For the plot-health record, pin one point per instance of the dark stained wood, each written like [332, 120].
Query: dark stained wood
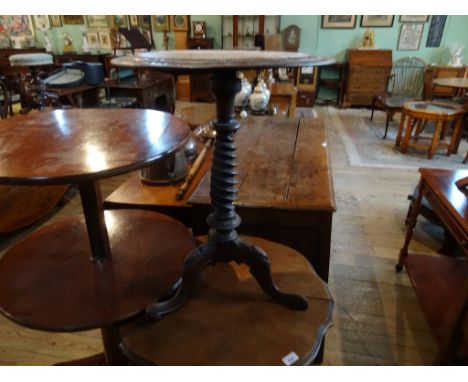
[91, 201]
[209, 60]
[147, 90]
[84, 144]
[223, 241]
[297, 214]
[441, 283]
[48, 281]
[230, 321]
[21, 206]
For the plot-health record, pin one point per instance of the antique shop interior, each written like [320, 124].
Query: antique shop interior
[234, 190]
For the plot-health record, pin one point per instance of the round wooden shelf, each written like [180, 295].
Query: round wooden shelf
[231, 321]
[49, 282]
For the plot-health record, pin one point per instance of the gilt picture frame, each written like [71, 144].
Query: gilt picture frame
[119, 21]
[180, 23]
[338, 22]
[73, 19]
[42, 22]
[16, 26]
[55, 21]
[160, 23]
[97, 21]
[104, 40]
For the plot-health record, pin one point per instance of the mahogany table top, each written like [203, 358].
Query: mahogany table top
[442, 183]
[196, 60]
[66, 146]
[231, 321]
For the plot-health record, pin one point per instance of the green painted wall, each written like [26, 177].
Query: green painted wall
[329, 42]
[334, 42]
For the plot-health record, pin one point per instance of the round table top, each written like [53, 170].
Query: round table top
[434, 108]
[197, 60]
[229, 320]
[31, 59]
[453, 82]
[66, 146]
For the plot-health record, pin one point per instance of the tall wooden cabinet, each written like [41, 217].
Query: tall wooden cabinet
[368, 73]
[200, 83]
[240, 32]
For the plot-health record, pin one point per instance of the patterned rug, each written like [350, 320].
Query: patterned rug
[362, 140]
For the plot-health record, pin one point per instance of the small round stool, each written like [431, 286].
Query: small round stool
[230, 321]
[417, 113]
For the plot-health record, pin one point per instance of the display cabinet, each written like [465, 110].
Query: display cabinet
[200, 83]
[246, 31]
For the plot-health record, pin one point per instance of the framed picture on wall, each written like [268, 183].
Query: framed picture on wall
[93, 39]
[105, 40]
[73, 19]
[16, 26]
[98, 21]
[145, 21]
[55, 21]
[133, 21]
[413, 19]
[160, 23]
[119, 21]
[338, 22]
[42, 22]
[179, 23]
[410, 36]
[378, 21]
[436, 31]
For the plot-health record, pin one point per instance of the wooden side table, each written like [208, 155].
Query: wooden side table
[96, 270]
[223, 243]
[229, 321]
[417, 113]
[441, 282]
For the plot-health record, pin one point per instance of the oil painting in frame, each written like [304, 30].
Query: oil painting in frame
[97, 21]
[179, 23]
[73, 19]
[16, 26]
[377, 21]
[160, 23]
[120, 21]
[133, 21]
[42, 22]
[338, 22]
[93, 39]
[55, 21]
[105, 40]
[145, 21]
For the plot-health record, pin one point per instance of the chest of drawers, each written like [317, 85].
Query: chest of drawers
[368, 74]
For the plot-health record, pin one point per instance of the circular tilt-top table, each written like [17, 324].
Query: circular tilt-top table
[223, 244]
[100, 269]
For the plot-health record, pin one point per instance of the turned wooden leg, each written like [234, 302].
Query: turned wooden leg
[456, 137]
[435, 139]
[400, 128]
[410, 228]
[407, 137]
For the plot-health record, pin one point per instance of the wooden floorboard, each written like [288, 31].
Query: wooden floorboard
[377, 318]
